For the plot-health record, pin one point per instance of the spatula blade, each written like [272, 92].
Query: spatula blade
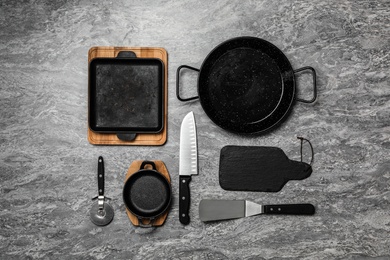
[213, 210]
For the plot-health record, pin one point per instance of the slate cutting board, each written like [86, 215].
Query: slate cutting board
[258, 168]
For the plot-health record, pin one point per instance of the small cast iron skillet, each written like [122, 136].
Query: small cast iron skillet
[147, 194]
[246, 85]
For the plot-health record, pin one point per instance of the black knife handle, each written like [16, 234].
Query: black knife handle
[101, 176]
[184, 199]
[293, 209]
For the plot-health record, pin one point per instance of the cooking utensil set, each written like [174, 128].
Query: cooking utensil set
[245, 85]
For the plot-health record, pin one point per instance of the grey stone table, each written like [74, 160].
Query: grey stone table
[48, 168]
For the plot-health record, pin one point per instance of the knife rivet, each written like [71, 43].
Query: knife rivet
[100, 176]
[183, 215]
[279, 209]
[100, 190]
[184, 181]
[183, 198]
[272, 209]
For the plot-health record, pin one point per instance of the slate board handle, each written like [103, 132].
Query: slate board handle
[290, 209]
[299, 170]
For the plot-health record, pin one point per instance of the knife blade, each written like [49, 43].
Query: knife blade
[188, 164]
[213, 210]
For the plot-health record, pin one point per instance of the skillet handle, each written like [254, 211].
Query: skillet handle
[141, 224]
[178, 83]
[146, 163]
[313, 72]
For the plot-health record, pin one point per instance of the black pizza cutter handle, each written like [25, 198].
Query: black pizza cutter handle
[184, 199]
[100, 176]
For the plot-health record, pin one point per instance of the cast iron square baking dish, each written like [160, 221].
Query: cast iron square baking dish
[126, 95]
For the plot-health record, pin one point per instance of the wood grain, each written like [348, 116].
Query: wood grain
[143, 138]
[134, 167]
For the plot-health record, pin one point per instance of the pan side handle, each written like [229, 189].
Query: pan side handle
[147, 225]
[178, 83]
[313, 72]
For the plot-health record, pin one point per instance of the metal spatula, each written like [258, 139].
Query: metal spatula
[213, 210]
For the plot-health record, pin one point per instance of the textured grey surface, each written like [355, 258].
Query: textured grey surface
[48, 168]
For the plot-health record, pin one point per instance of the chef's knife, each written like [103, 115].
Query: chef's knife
[212, 210]
[188, 164]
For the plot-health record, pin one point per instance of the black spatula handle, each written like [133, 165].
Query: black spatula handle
[290, 209]
[184, 199]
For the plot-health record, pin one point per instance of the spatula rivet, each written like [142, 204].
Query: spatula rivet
[183, 198]
[184, 181]
[279, 209]
[183, 215]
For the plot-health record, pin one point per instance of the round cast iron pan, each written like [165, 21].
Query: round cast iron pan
[246, 85]
[147, 193]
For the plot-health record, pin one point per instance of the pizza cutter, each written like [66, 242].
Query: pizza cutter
[101, 213]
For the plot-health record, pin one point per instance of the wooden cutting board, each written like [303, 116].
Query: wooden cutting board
[160, 167]
[143, 138]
